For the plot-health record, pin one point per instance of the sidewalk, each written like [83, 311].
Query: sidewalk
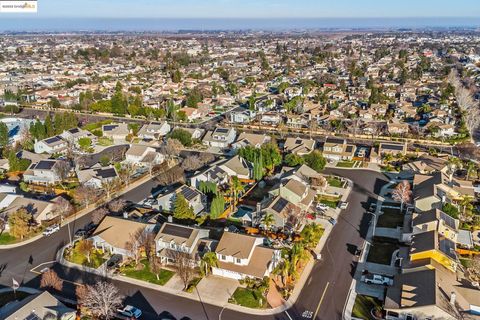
[80, 213]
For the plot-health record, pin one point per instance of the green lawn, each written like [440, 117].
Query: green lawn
[381, 252]
[345, 164]
[145, 275]
[332, 202]
[96, 258]
[105, 142]
[391, 218]
[363, 305]
[335, 182]
[7, 297]
[249, 298]
[6, 238]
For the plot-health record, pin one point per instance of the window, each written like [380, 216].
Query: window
[239, 261]
[424, 227]
[222, 257]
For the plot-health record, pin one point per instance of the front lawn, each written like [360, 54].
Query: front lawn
[381, 252]
[75, 256]
[249, 298]
[104, 141]
[332, 202]
[6, 238]
[363, 305]
[391, 218]
[6, 297]
[335, 182]
[345, 164]
[142, 272]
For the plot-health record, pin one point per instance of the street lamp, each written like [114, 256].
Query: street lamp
[374, 222]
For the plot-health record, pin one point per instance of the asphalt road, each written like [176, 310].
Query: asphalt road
[323, 296]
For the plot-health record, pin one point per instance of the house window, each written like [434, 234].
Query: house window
[424, 227]
[239, 261]
[222, 257]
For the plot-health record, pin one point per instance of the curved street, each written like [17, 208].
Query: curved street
[323, 296]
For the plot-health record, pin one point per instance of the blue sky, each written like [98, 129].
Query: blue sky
[258, 8]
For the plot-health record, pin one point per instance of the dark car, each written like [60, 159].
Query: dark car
[114, 261]
[80, 233]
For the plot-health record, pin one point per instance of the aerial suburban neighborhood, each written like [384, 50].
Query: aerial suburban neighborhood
[329, 174]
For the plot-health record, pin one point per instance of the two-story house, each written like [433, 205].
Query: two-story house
[166, 201]
[172, 238]
[250, 139]
[338, 149]
[96, 176]
[44, 172]
[220, 137]
[154, 131]
[118, 132]
[141, 155]
[298, 146]
[240, 256]
[50, 145]
[73, 135]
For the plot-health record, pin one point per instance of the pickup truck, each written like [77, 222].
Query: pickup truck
[130, 312]
[377, 279]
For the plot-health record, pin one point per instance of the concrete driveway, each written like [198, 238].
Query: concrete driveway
[217, 288]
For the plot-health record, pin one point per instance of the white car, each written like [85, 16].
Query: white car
[130, 311]
[343, 205]
[51, 230]
[377, 279]
[322, 206]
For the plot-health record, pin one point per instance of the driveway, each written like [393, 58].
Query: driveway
[217, 288]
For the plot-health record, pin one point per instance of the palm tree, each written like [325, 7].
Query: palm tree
[236, 187]
[471, 167]
[284, 270]
[208, 261]
[466, 204]
[453, 164]
[268, 220]
[298, 254]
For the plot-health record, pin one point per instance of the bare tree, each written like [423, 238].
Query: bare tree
[171, 176]
[156, 266]
[117, 205]
[50, 279]
[473, 269]
[85, 247]
[63, 207]
[126, 172]
[183, 265]
[81, 292]
[172, 148]
[192, 163]
[99, 214]
[85, 195]
[110, 186]
[206, 157]
[134, 245]
[102, 299]
[62, 170]
[402, 193]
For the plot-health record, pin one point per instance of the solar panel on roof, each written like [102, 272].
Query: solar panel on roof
[449, 221]
[74, 130]
[107, 173]
[221, 130]
[298, 141]
[109, 127]
[447, 246]
[349, 149]
[177, 231]
[52, 139]
[45, 165]
[279, 205]
[188, 193]
[392, 146]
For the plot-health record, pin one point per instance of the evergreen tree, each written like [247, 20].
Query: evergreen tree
[258, 168]
[3, 135]
[182, 210]
[217, 207]
[49, 129]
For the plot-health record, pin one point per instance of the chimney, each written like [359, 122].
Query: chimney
[170, 219]
[453, 297]
[125, 214]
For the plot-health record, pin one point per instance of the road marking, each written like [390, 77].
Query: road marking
[321, 300]
[288, 315]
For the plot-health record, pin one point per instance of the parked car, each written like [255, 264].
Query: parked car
[114, 260]
[80, 233]
[322, 206]
[377, 279]
[51, 230]
[332, 221]
[343, 205]
[130, 311]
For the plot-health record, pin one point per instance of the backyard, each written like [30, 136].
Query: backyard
[97, 257]
[249, 298]
[391, 218]
[335, 182]
[381, 250]
[142, 272]
[363, 305]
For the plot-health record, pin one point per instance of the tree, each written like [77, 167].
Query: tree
[315, 160]
[49, 130]
[99, 214]
[117, 205]
[208, 261]
[268, 220]
[182, 135]
[102, 299]
[182, 210]
[134, 245]
[172, 148]
[217, 206]
[473, 269]
[293, 160]
[85, 194]
[467, 206]
[50, 279]
[402, 193]
[62, 207]
[110, 186]
[183, 265]
[310, 235]
[156, 266]
[258, 167]
[85, 247]
[236, 187]
[192, 163]
[271, 155]
[171, 176]
[62, 170]
[85, 144]
[19, 223]
[3, 135]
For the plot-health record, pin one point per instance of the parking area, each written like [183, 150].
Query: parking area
[217, 288]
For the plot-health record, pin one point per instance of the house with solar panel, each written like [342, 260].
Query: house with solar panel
[118, 132]
[213, 174]
[154, 131]
[173, 238]
[97, 175]
[43, 172]
[287, 215]
[220, 137]
[337, 149]
[50, 145]
[73, 135]
[141, 155]
[251, 139]
[298, 146]
[166, 200]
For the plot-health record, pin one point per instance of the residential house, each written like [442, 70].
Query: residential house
[166, 200]
[116, 131]
[245, 116]
[141, 155]
[39, 209]
[397, 128]
[97, 176]
[73, 135]
[113, 234]
[432, 245]
[299, 146]
[251, 139]
[392, 148]
[237, 166]
[173, 238]
[45, 172]
[434, 219]
[154, 131]
[240, 256]
[50, 145]
[37, 306]
[197, 133]
[286, 215]
[338, 149]
[213, 174]
[220, 137]
[426, 164]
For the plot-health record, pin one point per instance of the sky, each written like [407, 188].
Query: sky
[256, 8]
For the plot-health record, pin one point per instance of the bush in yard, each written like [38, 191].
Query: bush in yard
[183, 136]
[315, 160]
